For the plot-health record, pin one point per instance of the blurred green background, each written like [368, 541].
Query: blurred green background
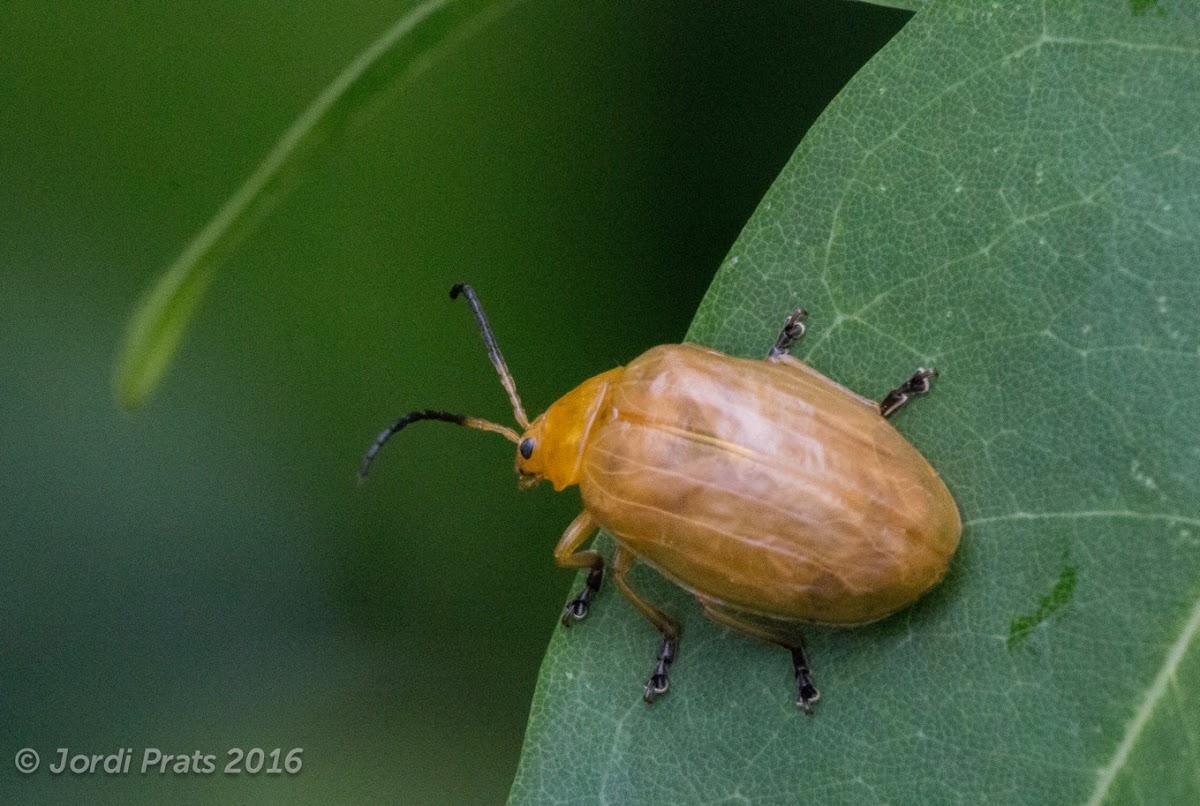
[204, 574]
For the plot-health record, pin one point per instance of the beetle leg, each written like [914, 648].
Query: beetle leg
[659, 682]
[918, 384]
[793, 329]
[789, 639]
[807, 693]
[566, 555]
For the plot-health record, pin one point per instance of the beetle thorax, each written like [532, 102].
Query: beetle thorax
[560, 435]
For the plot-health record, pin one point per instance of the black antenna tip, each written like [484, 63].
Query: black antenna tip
[365, 467]
[391, 430]
[457, 289]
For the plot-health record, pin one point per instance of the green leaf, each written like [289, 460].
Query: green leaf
[907, 5]
[1010, 193]
[400, 54]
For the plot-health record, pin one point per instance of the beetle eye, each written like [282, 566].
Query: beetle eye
[526, 447]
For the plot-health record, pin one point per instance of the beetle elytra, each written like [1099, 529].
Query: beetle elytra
[771, 493]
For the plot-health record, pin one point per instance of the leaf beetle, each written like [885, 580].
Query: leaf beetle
[773, 494]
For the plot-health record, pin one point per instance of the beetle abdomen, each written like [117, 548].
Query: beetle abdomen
[768, 487]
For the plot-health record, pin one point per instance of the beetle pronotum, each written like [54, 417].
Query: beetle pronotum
[773, 494]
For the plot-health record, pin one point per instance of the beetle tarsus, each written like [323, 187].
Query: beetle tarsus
[915, 386]
[659, 683]
[793, 329]
[807, 693]
[577, 608]
[808, 696]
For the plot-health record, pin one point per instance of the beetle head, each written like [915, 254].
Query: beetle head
[552, 447]
[531, 464]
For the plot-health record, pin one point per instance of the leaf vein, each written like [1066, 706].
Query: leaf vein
[1158, 689]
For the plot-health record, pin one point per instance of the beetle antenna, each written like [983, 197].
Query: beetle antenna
[430, 414]
[493, 349]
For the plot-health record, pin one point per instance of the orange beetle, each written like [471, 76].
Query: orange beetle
[771, 493]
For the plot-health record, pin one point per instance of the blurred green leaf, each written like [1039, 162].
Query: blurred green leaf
[1009, 193]
[401, 53]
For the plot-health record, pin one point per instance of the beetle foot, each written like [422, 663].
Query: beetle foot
[808, 693]
[659, 682]
[793, 329]
[918, 384]
[577, 609]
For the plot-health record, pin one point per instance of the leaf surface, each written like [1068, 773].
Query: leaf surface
[907, 5]
[1010, 193]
